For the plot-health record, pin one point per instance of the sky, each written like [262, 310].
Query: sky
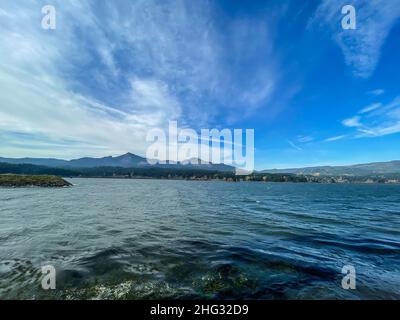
[315, 93]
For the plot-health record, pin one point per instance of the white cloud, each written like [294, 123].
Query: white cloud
[379, 131]
[304, 139]
[376, 120]
[352, 122]
[361, 47]
[294, 146]
[58, 115]
[38, 89]
[370, 108]
[110, 72]
[335, 138]
[376, 92]
[153, 97]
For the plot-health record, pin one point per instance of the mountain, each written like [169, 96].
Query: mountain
[128, 160]
[171, 172]
[198, 164]
[352, 170]
[32, 169]
[49, 162]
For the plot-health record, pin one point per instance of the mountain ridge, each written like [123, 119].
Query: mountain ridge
[127, 160]
[130, 160]
[361, 169]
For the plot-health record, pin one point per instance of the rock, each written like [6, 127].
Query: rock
[13, 180]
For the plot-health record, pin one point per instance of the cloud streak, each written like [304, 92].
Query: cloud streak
[361, 47]
[376, 120]
[335, 138]
[112, 71]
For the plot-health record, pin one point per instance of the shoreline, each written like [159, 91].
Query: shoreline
[52, 181]
[23, 181]
[236, 181]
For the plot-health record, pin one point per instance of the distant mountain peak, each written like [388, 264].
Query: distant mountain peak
[128, 155]
[195, 161]
[390, 167]
[127, 160]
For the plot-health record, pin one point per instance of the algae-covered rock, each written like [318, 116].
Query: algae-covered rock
[13, 180]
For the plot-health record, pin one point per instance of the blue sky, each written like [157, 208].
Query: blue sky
[112, 70]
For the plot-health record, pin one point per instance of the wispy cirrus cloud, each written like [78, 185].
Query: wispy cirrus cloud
[376, 120]
[46, 100]
[304, 139]
[113, 70]
[361, 47]
[335, 138]
[294, 145]
[376, 92]
[370, 108]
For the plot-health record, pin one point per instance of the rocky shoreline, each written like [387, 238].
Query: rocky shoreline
[14, 181]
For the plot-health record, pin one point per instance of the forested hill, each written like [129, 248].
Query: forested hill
[179, 173]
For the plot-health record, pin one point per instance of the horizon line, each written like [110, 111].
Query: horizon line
[204, 162]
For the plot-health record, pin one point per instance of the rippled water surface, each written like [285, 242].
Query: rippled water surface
[146, 239]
